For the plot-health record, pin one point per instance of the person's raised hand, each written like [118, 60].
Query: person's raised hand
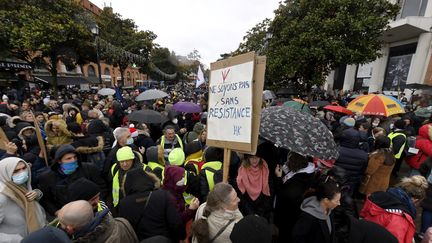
[194, 204]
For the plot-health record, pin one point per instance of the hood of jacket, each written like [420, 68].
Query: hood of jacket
[47, 234]
[60, 152]
[138, 181]
[425, 131]
[7, 167]
[62, 127]
[98, 227]
[21, 127]
[312, 206]
[350, 138]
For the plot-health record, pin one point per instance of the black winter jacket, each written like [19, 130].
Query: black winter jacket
[54, 185]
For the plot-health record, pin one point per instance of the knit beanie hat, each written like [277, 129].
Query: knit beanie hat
[176, 157]
[125, 153]
[82, 189]
[133, 131]
[350, 122]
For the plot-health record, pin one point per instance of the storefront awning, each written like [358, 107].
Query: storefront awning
[15, 65]
[62, 80]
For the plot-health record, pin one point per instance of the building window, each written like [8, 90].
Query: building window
[412, 8]
[91, 71]
[128, 75]
[107, 71]
[398, 66]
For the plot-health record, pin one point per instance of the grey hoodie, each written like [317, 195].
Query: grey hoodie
[312, 206]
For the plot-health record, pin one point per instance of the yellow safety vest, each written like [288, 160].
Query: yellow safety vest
[187, 197]
[154, 165]
[393, 135]
[178, 140]
[116, 184]
[214, 165]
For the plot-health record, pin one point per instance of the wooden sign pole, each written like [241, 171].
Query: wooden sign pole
[40, 139]
[3, 139]
[226, 164]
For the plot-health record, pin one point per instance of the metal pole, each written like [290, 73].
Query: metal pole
[98, 61]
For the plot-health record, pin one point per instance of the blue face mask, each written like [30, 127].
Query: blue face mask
[130, 141]
[69, 168]
[20, 178]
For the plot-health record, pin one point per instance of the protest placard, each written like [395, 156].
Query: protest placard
[235, 98]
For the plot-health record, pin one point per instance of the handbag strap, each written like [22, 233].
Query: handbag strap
[221, 230]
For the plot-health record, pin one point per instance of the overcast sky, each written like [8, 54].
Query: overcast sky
[212, 27]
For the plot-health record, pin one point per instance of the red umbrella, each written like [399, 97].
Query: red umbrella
[339, 109]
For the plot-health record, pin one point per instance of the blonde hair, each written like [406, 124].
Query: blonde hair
[414, 186]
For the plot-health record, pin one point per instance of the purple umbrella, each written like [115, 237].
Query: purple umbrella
[187, 107]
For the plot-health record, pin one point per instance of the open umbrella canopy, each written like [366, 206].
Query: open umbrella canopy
[106, 91]
[147, 116]
[298, 132]
[151, 94]
[295, 104]
[376, 105]
[337, 108]
[319, 103]
[424, 112]
[187, 107]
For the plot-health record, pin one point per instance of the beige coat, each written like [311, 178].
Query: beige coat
[217, 220]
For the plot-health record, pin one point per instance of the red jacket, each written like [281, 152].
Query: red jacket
[401, 225]
[424, 145]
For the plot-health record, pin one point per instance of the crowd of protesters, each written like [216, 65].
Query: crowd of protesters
[75, 169]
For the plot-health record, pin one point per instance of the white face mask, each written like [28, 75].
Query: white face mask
[375, 124]
[175, 120]
[181, 182]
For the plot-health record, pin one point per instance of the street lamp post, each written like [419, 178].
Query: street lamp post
[95, 32]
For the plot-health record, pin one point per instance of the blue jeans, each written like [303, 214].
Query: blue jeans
[426, 220]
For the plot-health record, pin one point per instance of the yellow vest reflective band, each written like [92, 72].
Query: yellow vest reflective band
[186, 196]
[178, 140]
[154, 165]
[99, 208]
[393, 135]
[214, 166]
[115, 186]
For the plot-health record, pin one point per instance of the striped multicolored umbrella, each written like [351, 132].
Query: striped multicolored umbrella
[376, 105]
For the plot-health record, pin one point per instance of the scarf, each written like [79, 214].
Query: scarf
[254, 181]
[17, 194]
[309, 169]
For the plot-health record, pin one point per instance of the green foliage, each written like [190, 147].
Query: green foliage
[312, 37]
[164, 60]
[44, 30]
[255, 39]
[123, 34]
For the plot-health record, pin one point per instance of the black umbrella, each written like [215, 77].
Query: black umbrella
[319, 103]
[147, 116]
[298, 132]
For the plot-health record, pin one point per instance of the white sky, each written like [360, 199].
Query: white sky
[213, 27]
